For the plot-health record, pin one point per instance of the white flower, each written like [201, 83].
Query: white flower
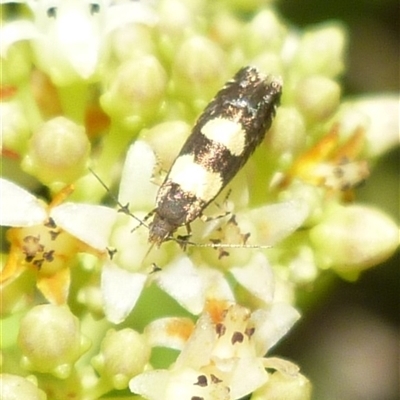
[223, 357]
[47, 237]
[68, 35]
[190, 279]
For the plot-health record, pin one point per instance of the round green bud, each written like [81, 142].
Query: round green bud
[354, 238]
[14, 387]
[136, 92]
[50, 340]
[131, 41]
[58, 152]
[124, 354]
[269, 62]
[287, 137]
[263, 33]
[164, 139]
[194, 79]
[321, 51]
[175, 17]
[317, 98]
[227, 29]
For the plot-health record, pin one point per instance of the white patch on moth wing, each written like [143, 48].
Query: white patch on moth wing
[228, 133]
[195, 179]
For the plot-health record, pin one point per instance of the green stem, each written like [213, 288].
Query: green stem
[73, 100]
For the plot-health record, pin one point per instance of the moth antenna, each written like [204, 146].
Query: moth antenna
[122, 208]
[181, 242]
[147, 253]
[221, 245]
[235, 246]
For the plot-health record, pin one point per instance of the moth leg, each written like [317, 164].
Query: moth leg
[206, 218]
[219, 206]
[184, 239]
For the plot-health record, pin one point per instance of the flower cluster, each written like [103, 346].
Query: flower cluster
[97, 98]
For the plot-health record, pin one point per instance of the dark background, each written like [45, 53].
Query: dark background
[347, 342]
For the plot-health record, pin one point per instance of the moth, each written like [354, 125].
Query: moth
[225, 135]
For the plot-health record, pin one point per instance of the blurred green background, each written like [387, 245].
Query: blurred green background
[347, 342]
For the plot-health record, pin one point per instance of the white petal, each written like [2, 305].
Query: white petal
[245, 375]
[181, 280]
[257, 277]
[88, 222]
[80, 45]
[379, 115]
[169, 332]
[272, 325]
[120, 289]
[18, 207]
[217, 287]
[69, 46]
[136, 187]
[277, 221]
[12, 32]
[197, 351]
[151, 385]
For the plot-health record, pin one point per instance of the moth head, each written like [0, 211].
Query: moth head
[160, 230]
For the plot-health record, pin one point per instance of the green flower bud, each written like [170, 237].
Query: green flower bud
[58, 152]
[317, 98]
[284, 386]
[321, 52]
[287, 137]
[175, 17]
[14, 127]
[124, 354]
[131, 41]
[269, 62]
[14, 387]
[165, 138]
[50, 340]
[136, 92]
[227, 29]
[354, 238]
[264, 33]
[195, 80]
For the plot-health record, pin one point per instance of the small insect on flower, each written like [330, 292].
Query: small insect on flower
[221, 142]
